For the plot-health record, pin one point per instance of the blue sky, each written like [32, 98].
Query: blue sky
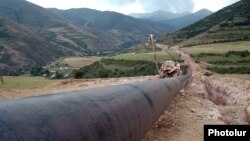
[137, 6]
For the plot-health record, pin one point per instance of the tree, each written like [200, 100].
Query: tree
[1, 77]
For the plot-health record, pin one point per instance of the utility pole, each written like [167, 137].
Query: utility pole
[151, 42]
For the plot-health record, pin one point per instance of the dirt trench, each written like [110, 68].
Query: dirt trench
[205, 100]
[230, 95]
[233, 93]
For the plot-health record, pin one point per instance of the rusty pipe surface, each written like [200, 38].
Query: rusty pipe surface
[115, 113]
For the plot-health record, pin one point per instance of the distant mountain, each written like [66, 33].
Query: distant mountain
[186, 20]
[106, 20]
[126, 30]
[21, 47]
[158, 16]
[203, 13]
[44, 35]
[175, 20]
[54, 27]
[51, 36]
[229, 24]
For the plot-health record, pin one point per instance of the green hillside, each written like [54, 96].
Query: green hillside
[229, 24]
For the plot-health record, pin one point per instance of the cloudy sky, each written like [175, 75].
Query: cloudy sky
[137, 6]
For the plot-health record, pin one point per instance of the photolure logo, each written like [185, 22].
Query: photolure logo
[223, 132]
[215, 132]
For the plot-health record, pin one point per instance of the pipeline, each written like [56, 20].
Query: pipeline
[115, 113]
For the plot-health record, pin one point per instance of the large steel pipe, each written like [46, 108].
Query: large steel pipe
[116, 113]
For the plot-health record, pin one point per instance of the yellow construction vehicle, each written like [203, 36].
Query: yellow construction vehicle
[169, 69]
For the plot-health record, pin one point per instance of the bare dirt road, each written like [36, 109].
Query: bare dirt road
[207, 100]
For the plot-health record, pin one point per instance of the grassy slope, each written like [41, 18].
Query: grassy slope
[161, 56]
[218, 61]
[21, 82]
[218, 48]
[75, 62]
[80, 61]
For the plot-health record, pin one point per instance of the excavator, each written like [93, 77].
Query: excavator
[170, 68]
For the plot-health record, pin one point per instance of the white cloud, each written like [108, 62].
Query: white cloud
[177, 6]
[136, 6]
[212, 5]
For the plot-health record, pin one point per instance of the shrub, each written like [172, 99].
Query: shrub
[239, 53]
[124, 68]
[231, 70]
[38, 71]
[77, 74]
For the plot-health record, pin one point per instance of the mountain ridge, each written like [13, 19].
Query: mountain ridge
[59, 36]
[158, 15]
[231, 23]
[123, 27]
[175, 20]
[189, 19]
[17, 41]
[105, 20]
